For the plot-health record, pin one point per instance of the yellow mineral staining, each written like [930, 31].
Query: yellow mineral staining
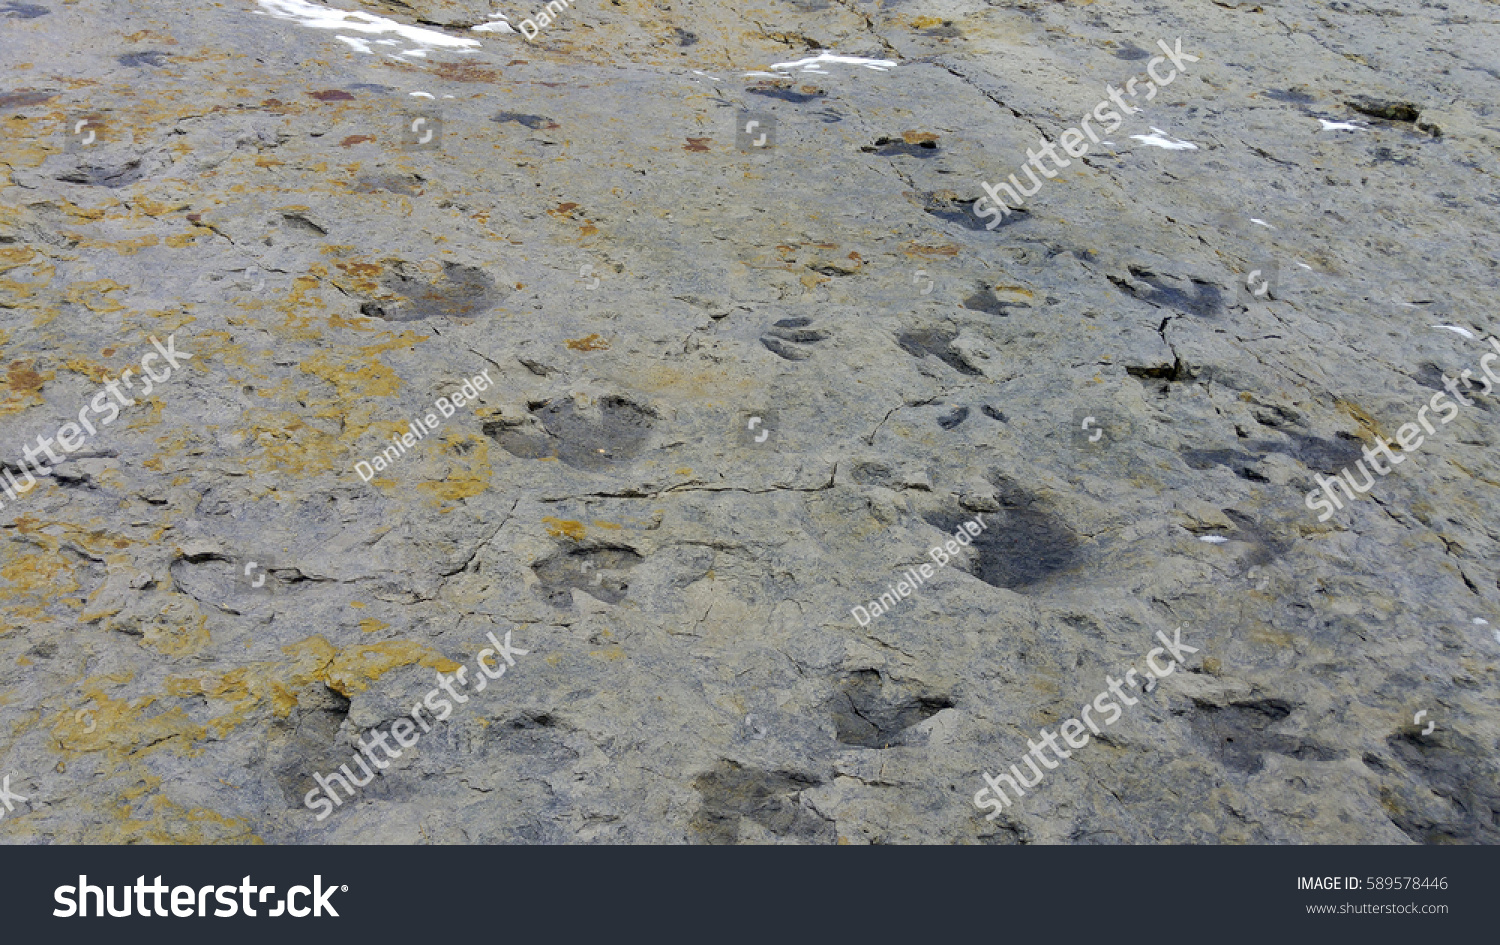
[371, 625]
[468, 472]
[357, 666]
[557, 528]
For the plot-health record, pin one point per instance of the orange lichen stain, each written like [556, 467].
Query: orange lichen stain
[14, 256]
[917, 137]
[468, 471]
[915, 249]
[89, 369]
[155, 37]
[684, 471]
[697, 144]
[359, 278]
[287, 441]
[560, 527]
[273, 683]
[370, 625]
[609, 525]
[357, 604]
[86, 213]
[175, 632]
[611, 654]
[91, 295]
[157, 208]
[22, 661]
[123, 247]
[160, 820]
[923, 22]
[123, 730]
[39, 575]
[363, 375]
[554, 659]
[357, 666]
[23, 383]
[1370, 427]
[588, 343]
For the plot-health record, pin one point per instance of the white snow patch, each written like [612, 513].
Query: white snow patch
[495, 26]
[1337, 125]
[1261, 222]
[320, 17]
[358, 45]
[1214, 539]
[421, 95]
[1161, 140]
[1457, 330]
[1481, 622]
[812, 63]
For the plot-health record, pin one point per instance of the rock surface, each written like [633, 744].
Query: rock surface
[737, 392]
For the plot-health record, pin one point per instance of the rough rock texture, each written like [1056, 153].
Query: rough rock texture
[585, 226]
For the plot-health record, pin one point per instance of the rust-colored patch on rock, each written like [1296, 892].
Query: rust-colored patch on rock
[587, 343]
